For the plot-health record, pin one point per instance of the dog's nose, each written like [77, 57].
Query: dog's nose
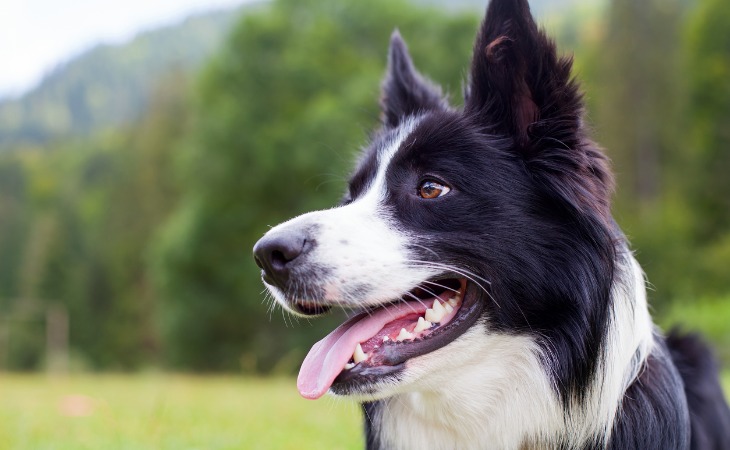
[274, 254]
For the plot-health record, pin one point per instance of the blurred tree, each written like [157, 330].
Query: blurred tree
[636, 68]
[282, 109]
[707, 56]
[705, 163]
[635, 95]
[77, 220]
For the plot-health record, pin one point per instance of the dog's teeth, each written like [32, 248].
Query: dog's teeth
[453, 301]
[349, 366]
[438, 308]
[437, 313]
[449, 309]
[359, 355]
[431, 316]
[403, 335]
[386, 338]
[422, 325]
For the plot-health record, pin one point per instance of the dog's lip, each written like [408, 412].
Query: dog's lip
[310, 309]
[393, 355]
[326, 366]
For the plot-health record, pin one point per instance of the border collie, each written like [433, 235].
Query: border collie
[498, 303]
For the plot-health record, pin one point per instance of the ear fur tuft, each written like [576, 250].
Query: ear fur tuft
[405, 91]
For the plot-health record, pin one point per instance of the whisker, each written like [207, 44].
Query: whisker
[427, 249]
[463, 272]
[418, 300]
[441, 286]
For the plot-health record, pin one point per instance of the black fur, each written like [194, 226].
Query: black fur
[653, 414]
[709, 413]
[540, 202]
[529, 185]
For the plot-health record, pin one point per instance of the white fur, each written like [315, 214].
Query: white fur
[359, 246]
[482, 388]
[628, 343]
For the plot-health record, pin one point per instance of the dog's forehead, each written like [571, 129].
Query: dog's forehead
[443, 141]
[377, 156]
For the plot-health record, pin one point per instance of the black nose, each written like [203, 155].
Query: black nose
[276, 253]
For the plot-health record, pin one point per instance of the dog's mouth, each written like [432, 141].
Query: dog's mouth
[376, 343]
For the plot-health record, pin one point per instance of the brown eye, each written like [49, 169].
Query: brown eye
[432, 189]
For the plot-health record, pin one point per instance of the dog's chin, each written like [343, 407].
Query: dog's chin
[366, 357]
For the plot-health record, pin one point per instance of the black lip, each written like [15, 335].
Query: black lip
[310, 310]
[390, 360]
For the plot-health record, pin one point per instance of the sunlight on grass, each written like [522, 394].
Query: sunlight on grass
[169, 412]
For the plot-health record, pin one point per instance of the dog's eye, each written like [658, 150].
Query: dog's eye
[432, 189]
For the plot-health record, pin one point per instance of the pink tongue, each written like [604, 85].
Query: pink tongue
[327, 357]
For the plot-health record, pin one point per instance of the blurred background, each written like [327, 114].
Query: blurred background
[145, 148]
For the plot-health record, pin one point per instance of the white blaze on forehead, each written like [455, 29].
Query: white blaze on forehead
[378, 185]
[361, 250]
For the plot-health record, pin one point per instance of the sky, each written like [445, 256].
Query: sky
[37, 35]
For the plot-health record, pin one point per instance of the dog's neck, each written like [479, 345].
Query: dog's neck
[492, 389]
[499, 397]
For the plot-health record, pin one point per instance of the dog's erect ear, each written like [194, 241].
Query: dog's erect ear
[520, 88]
[517, 79]
[404, 90]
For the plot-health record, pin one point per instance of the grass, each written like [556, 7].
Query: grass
[172, 412]
[169, 412]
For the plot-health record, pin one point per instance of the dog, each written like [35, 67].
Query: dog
[498, 303]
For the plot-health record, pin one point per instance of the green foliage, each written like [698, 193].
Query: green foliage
[667, 149]
[707, 314]
[282, 109]
[77, 222]
[707, 59]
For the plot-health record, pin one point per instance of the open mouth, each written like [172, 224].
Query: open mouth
[376, 343]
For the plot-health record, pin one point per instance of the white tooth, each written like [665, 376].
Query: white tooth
[432, 316]
[386, 338]
[437, 313]
[359, 355]
[422, 325]
[349, 366]
[449, 309]
[453, 301]
[403, 335]
[438, 308]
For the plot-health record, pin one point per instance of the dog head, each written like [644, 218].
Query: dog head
[484, 216]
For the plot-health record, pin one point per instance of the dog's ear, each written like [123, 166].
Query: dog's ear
[517, 79]
[520, 88]
[404, 90]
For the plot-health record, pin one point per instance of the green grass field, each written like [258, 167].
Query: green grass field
[171, 412]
